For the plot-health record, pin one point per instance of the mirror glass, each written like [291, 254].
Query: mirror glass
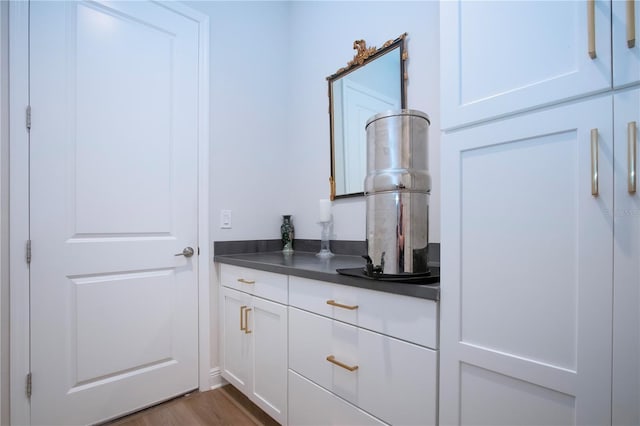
[373, 82]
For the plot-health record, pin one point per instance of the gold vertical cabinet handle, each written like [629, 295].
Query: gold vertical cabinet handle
[242, 324]
[340, 305]
[246, 320]
[243, 281]
[594, 162]
[631, 24]
[632, 135]
[591, 27]
[333, 360]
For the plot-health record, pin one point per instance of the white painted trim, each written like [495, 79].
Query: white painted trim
[18, 210]
[205, 261]
[19, 205]
[204, 236]
[215, 378]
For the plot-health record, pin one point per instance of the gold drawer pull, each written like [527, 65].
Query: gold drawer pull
[243, 326]
[340, 305]
[631, 155]
[333, 360]
[591, 28]
[246, 320]
[243, 281]
[631, 24]
[594, 162]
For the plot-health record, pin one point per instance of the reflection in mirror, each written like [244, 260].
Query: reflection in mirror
[373, 82]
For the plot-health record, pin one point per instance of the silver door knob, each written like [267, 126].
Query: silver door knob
[186, 252]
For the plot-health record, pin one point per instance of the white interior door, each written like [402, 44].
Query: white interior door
[113, 90]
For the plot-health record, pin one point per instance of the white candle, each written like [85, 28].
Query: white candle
[325, 210]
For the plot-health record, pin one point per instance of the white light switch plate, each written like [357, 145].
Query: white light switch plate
[225, 219]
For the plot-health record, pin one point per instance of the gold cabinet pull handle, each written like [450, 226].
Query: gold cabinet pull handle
[333, 360]
[340, 305]
[246, 320]
[591, 27]
[243, 281]
[631, 24]
[242, 324]
[594, 162]
[632, 135]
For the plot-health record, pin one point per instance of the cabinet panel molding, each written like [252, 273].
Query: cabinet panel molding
[491, 398]
[527, 271]
[499, 58]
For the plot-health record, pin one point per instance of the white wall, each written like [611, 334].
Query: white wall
[269, 119]
[248, 89]
[322, 34]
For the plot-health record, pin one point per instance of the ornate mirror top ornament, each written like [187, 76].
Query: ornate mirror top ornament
[363, 53]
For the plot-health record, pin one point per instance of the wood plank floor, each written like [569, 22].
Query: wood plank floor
[221, 406]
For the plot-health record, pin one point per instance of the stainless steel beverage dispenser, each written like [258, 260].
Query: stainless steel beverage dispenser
[397, 188]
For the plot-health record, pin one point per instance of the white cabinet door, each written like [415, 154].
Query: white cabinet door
[268, 322]
[310, 405]
[498, 57]
[254, 350]
[236, 342]
[626, 319]
[626, 54]
[526, 291]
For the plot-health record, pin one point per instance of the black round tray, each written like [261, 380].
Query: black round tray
[430, 277]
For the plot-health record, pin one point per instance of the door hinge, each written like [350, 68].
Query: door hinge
[29, 117]
[29, 385]
[28, 251]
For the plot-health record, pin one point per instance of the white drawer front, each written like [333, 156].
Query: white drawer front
[394, 380]
[260, 283]
[311, 405]
[408, 318]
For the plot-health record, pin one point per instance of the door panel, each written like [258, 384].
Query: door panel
[516, 55]
[106, 345]
[133, 84]
[237, 342]
[526, 305]
[269, 361]
[483, 388]
[537, 180]
[113, 198]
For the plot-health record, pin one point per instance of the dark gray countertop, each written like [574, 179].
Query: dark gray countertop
[308, 265]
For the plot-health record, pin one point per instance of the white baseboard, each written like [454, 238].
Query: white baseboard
[215, 378]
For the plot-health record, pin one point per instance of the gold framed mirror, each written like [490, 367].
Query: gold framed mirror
[372, 82]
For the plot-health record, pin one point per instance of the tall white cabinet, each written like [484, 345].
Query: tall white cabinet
[540, 303]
